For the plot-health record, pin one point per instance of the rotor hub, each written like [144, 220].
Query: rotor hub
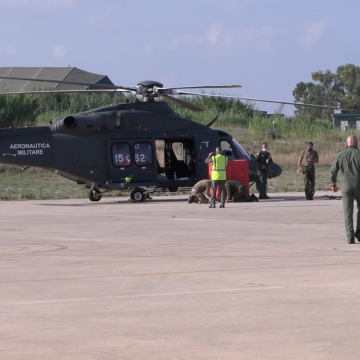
[150, 84]
[149, 89]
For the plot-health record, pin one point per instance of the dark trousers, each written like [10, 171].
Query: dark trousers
[309, 180]
[350, 192]
[261, 182]
[214, 185]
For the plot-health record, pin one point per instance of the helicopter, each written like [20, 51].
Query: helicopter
[143, 146]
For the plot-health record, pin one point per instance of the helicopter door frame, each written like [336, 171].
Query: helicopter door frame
[175, 156]
[133, 158]
[174, 169]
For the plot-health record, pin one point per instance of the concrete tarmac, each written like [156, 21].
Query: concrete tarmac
[166, 279]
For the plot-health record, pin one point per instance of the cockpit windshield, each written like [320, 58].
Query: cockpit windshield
[240, 150]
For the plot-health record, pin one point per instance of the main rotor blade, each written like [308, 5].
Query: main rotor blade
[63, 91]
[183, 104]
[263, 100]
[160, 90]
[70, 83]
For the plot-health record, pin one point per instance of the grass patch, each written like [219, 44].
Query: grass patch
[292, 181]
[286, 152]
[38, 184]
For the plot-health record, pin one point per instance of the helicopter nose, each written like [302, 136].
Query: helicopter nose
[274, 170]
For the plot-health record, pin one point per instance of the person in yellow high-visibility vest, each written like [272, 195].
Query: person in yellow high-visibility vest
[218, 175]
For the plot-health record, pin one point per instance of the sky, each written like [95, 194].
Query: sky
[266, 46]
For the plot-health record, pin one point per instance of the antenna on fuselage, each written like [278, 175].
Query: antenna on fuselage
[212, 121]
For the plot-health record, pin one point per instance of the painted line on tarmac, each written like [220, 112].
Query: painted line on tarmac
[180, 293]
[177, 273]
[136, 296]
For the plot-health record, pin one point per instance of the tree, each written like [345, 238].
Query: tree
[350, 78]
[327, 91]
[339, 90]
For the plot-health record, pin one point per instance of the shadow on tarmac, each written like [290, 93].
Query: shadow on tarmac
[172, 199]
[115, 202]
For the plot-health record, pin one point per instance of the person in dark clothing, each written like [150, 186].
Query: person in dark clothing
[348, 163]
[236, 191]
[306, 164]
[263, 158]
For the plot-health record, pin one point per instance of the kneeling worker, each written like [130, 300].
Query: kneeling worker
[235, 191]
[197, 192]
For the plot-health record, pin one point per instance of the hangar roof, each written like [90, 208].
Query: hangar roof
[53, 73]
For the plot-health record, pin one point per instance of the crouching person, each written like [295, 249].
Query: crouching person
[199, 192]
[235, 191]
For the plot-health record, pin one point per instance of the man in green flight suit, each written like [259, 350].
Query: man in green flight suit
[310, 158]
[218, 175]
[348, 162]
[262, 160]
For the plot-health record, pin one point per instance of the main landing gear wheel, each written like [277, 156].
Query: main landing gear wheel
[137, 195]
[94, 195]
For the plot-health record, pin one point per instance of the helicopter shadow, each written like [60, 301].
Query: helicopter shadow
[116, 202]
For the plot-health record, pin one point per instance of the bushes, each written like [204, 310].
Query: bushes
[75, 103]
[230, 111]
[299, 126]
[18, 110]
[26, 110]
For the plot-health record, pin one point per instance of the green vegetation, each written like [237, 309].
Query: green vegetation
[35, 184]
[228, 111]
[62, 104]
[40, 109]
[18, 110]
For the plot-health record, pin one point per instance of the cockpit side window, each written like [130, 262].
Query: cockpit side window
[240, 150]
[143, 154]
[121, 154]
[227, 150]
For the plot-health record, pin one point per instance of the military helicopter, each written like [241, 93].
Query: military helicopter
[143, 146]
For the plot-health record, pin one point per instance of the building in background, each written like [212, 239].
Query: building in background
[53, 73]
[347, 121]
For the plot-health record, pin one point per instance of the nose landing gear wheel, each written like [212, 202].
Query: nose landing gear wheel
[94, 195]
[137, 195]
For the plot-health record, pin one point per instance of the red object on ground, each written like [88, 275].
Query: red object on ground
[235, 170]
